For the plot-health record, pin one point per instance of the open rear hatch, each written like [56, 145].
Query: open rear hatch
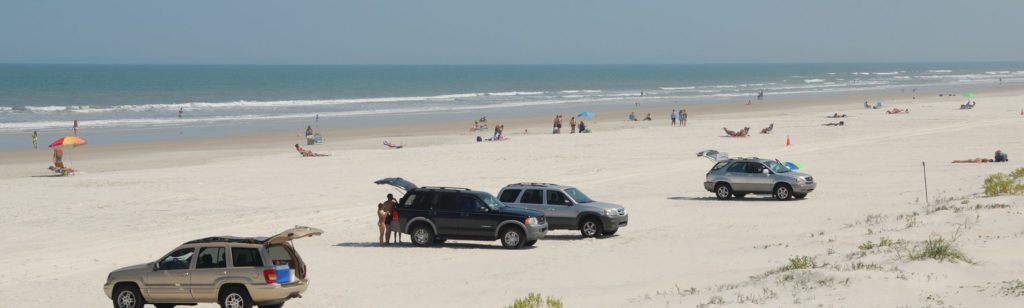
[283, 254]
[399, 183]
[293, 233]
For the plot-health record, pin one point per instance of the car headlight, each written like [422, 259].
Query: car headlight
[801, 180]
[611, 212]
[530, 221]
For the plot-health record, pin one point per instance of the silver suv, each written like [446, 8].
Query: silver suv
[738, 177]
[566, 208]
[235, 272]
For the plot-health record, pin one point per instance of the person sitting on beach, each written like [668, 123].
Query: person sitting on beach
[308, 153]
[1001, 156]
[483, 119]
[768, 130]
[392, 145]
[583, 127]
[840, 123]
[476, 126]
[648, 117]
[309, 131]
[866, 105]
[632, 117]
[976, 160]
[836, 115]
[742, 133]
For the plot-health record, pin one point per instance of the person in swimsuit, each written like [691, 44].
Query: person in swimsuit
[384, 214]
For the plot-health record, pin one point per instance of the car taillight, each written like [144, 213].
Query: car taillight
[270, 275]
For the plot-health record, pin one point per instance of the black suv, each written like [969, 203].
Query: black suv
[435, 214]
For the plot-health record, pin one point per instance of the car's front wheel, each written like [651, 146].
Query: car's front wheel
[422, 235]
[512, 238]
[128, 297]
[235, 297]
[590, 227]
[723, 191]
[783, 192]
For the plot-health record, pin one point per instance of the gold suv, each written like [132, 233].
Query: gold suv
[235, 272]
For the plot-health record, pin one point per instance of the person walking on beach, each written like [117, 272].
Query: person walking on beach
[35, 139]
[557, 126]
[384, 211]
[180, 111]
[682, 117]
[75, 127]
[673, 117]
[572, 123]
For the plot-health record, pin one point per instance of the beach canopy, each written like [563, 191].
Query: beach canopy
[73, 141]
[969, 95]
[586, 114]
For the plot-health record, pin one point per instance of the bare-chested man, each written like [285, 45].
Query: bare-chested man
[384, 218]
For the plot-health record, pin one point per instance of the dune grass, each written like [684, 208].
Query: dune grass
[940, 249]
[534, 300]
[1005, 184]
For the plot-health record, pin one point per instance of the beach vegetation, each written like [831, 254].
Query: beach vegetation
[940, 249]
[534, 300]
[1005, 184]
[801, 262]
[1013, 288]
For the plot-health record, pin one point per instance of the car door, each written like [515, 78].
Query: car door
[737, 177]
[211, 266]
[476, 217]
[169, 280]
[510, 196]
[533, 199]
[757, 181]
[559, 210]
[445, 213]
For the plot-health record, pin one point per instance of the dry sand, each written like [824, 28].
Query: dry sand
[133, 203]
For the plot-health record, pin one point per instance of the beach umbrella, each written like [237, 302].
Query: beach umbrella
[793, 165]
[968, 95]
[586, 114]
[73, 141]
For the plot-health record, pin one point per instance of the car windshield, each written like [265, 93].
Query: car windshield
[491, 200]
[578, 195]
[777, 167]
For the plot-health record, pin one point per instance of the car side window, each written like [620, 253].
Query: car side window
[719, 165]
[755, 167]
[246, 257]
[471, 204]
[509, 195]
[211, 257]
[179, 259]
[532, 196]
[446, 202]
[737, 167]
[557, 198]
[418, 201]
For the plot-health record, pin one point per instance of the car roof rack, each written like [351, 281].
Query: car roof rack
[532, 184]
[229, 239]
[444, 188]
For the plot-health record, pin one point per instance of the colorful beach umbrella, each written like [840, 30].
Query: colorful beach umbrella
[968, 95]
[793, 165]
[73, 141]
[586, 114]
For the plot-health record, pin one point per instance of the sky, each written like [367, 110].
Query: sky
[508, 32]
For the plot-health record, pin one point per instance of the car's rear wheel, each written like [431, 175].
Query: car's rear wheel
[235, 297]
[723, 191]
[590, 227]
[128, 297]
[530, 243]
[512, 238]
[799, 196]
[422, 235]
[783, 192]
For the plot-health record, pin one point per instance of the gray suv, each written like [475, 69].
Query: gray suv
[738, 177]
[567, 208]
[235, 272]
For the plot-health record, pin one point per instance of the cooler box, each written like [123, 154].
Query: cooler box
[283, 274]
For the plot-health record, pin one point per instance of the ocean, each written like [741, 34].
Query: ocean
[48, 98]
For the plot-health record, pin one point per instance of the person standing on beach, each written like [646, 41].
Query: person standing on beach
[682, 117]
[557, 125]
[180, 111]
[572, 123]
[35, 139]
[673, 117]
[75, 127]
[385, 212]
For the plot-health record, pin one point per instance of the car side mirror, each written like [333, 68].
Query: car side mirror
[567, 202]
[156, 266]
[765, 171]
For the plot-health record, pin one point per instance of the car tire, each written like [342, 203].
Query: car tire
[782, 192]
[590, 227]
[422, 235]
[799, 196]
[234, 297]
[440, 241]
[530, 243]
[272, 306]
[610, 233]
[164, 305]
[128, 297]
[512, 238]
[739, 196]
[723, 191]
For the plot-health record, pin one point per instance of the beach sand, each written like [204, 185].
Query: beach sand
[133, 203]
